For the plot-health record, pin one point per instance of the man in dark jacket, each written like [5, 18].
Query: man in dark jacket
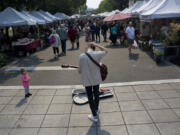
[104, 29]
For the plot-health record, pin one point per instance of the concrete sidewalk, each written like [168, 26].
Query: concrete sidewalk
[134, 110]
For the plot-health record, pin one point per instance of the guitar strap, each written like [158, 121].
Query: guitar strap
[95, 62]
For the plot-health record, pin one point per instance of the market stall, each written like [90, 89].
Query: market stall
[11, 20]
[165, 23]
[164, 9]
[11, 17]
[25, 46]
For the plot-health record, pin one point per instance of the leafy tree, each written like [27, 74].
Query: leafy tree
[109, 5]
[65, 6]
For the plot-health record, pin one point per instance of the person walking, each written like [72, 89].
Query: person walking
[104, 29]
[77, 36]
[63, 36]
[97, 31]
[87, 32]
[54, 40]
[91, 77]
[130, 32]
[114, 33]
[72, 35]
[25, 82]
[92, 27]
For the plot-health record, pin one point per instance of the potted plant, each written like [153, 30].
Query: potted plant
[158, 55]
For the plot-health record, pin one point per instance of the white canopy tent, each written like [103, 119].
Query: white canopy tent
[138, 5]
[47, 14]
[124, 11]
[12, 17]
[133, 8]
[165, 9]
[61, 16]
[105, 14]
[76, 16]
[148, 6]
[39, 21]
[52, 16]
[113, 12]
[41, 16]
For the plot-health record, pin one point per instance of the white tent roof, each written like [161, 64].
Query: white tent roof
[139, 10]
[138, 5]
[113, 12]
[41, 16]
[124, 11]
[105, 14]
[166, 9]
[62, 16]
[47, 14]
[150, 5]
[11, 17]
[39, 21]
[133, 8]
[50, 15]
[76, 16]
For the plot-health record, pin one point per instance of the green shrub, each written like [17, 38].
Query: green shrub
[173, 37]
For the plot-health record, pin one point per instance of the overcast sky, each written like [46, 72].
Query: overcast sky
[93, 3]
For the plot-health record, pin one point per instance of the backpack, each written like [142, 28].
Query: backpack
[52, 39]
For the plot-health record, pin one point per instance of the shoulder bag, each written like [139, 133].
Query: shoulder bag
[103, 67]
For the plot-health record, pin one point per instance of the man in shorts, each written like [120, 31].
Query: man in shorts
[130, 33]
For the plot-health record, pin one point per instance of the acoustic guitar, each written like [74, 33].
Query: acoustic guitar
[103, 69]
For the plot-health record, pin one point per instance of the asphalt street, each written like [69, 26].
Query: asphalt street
[122, 68]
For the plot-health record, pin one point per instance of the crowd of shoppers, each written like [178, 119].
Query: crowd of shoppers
[119, 33]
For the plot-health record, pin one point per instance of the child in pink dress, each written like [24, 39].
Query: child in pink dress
[25, 82]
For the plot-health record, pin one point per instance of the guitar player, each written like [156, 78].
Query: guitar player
[91, 77]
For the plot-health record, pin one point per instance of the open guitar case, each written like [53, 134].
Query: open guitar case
[79, 96]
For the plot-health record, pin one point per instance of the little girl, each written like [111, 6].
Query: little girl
[25, 82]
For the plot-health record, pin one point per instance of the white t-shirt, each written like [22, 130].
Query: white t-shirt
[130, 31]
[89, 71]
[57, 42]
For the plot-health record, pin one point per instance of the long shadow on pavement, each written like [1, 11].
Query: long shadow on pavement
[92, 130]
[134, 56]
[115, 46]
[31, 61]
[21, 102]
[100, 131]
[53, 59]
[162, 64]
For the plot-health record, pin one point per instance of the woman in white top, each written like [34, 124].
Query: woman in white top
[55, 43]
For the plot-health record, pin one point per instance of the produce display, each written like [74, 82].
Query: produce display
[23, 41]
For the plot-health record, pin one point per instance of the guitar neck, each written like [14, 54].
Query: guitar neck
[71, 66]
[68, 66]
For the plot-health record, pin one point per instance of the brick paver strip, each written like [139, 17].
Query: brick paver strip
[137, 111]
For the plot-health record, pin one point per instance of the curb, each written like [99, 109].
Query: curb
[102, 85]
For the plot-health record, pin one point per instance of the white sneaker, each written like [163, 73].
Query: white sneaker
[93, 118]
